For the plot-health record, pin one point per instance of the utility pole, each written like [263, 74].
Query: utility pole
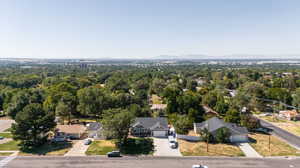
[207, 136]
[269, 142]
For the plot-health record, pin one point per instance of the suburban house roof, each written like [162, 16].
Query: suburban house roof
[71, 129]
[159, 123]
[158, 106]
[93, 126]
[209, 110]
[215, 123]
[289, 112]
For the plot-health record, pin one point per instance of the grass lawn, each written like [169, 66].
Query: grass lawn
[11, 145]
[138, 146]
[49, 149]
[278, 148]
[290, 126]
[101, 147]
[6, 135]
[199, 149]
[5, 153]
[156, 99]
[7, 130]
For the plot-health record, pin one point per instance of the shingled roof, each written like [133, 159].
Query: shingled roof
[151, 123]
[215, 123]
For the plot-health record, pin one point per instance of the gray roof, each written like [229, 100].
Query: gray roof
[215, 123]
[152, 123]
[94, 126]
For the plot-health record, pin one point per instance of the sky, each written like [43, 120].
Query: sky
[148, 28]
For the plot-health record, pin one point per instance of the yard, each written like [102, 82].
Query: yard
[134, 146]
[199, 149]
[101, 147]
[290, 126]
[49, 149]
[156, 99]
[6, 135]
[9, 146]
[278, 148]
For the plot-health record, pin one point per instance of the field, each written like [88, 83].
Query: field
[101, 147]
[278, 147]
[290, 126]
[199, 149]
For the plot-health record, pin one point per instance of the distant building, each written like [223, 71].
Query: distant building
[289, 114]
[75, 131]
[147, 126]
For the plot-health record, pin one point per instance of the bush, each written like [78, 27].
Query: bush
[135, 146]
[222, 135]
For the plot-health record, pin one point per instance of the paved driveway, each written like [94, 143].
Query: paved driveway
[5, 124]
[162, 148]
[78, 149]
[248, 150]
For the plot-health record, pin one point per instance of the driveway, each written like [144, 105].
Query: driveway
[162, 148]
[78, 149]
[248, 150]
[5, 124]
[290, 138]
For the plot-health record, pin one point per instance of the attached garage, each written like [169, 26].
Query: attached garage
[159, 133]
[239, 138]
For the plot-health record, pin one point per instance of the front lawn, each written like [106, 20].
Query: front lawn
[101, 147]
[138, 146]
[6, 135]
[199, 149]
[260, 142]
[59, 148]
[134, 146]
[5, 153]
[11, 145]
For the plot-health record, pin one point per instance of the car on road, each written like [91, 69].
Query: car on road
[87, 141]
[199, 166]
[172, 142]
[114, 154]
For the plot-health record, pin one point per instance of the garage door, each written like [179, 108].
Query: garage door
[159, 133]
[239, 138]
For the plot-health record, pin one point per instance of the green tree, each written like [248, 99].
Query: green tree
[32, 126]
[233, 116]
[116, 124]
[222, 135]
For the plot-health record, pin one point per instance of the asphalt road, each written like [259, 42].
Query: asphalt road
[150, 162]
[288, 137]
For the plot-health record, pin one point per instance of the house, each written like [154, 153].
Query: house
[238, 134]
[157, 107]
[75, 131]
[210, 112]
[94, 130]
[289, 114]
[147, 126]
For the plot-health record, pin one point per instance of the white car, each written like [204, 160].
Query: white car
[199, 166]
[172, 142]
[87, 141]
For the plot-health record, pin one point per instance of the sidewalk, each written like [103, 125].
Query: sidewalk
[248, 150]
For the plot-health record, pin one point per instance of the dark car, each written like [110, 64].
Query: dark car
[114, 154]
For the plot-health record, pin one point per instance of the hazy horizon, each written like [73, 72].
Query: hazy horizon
[135, 29]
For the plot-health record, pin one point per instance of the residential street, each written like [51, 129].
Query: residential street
[288, 137]
[162, 148]
[149, 162]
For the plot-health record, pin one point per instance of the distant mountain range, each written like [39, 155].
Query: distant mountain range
[233, 56]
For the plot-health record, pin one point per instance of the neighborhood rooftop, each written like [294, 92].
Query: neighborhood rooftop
[148, 122]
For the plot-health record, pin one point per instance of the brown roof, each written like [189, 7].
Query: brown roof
[209, 110]
[71, 129]
[158, 106]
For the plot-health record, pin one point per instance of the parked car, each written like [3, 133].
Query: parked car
[199, 166]
[59, 139]
[172, 142]
[1, 137]
[87, 141]
[114, 154]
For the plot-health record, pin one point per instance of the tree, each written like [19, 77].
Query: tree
[233, 116]
[116, 124]
[32, 126]
[296, 98]
[250, 122]
[92, 101]
[182, 124]
[222, 135]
